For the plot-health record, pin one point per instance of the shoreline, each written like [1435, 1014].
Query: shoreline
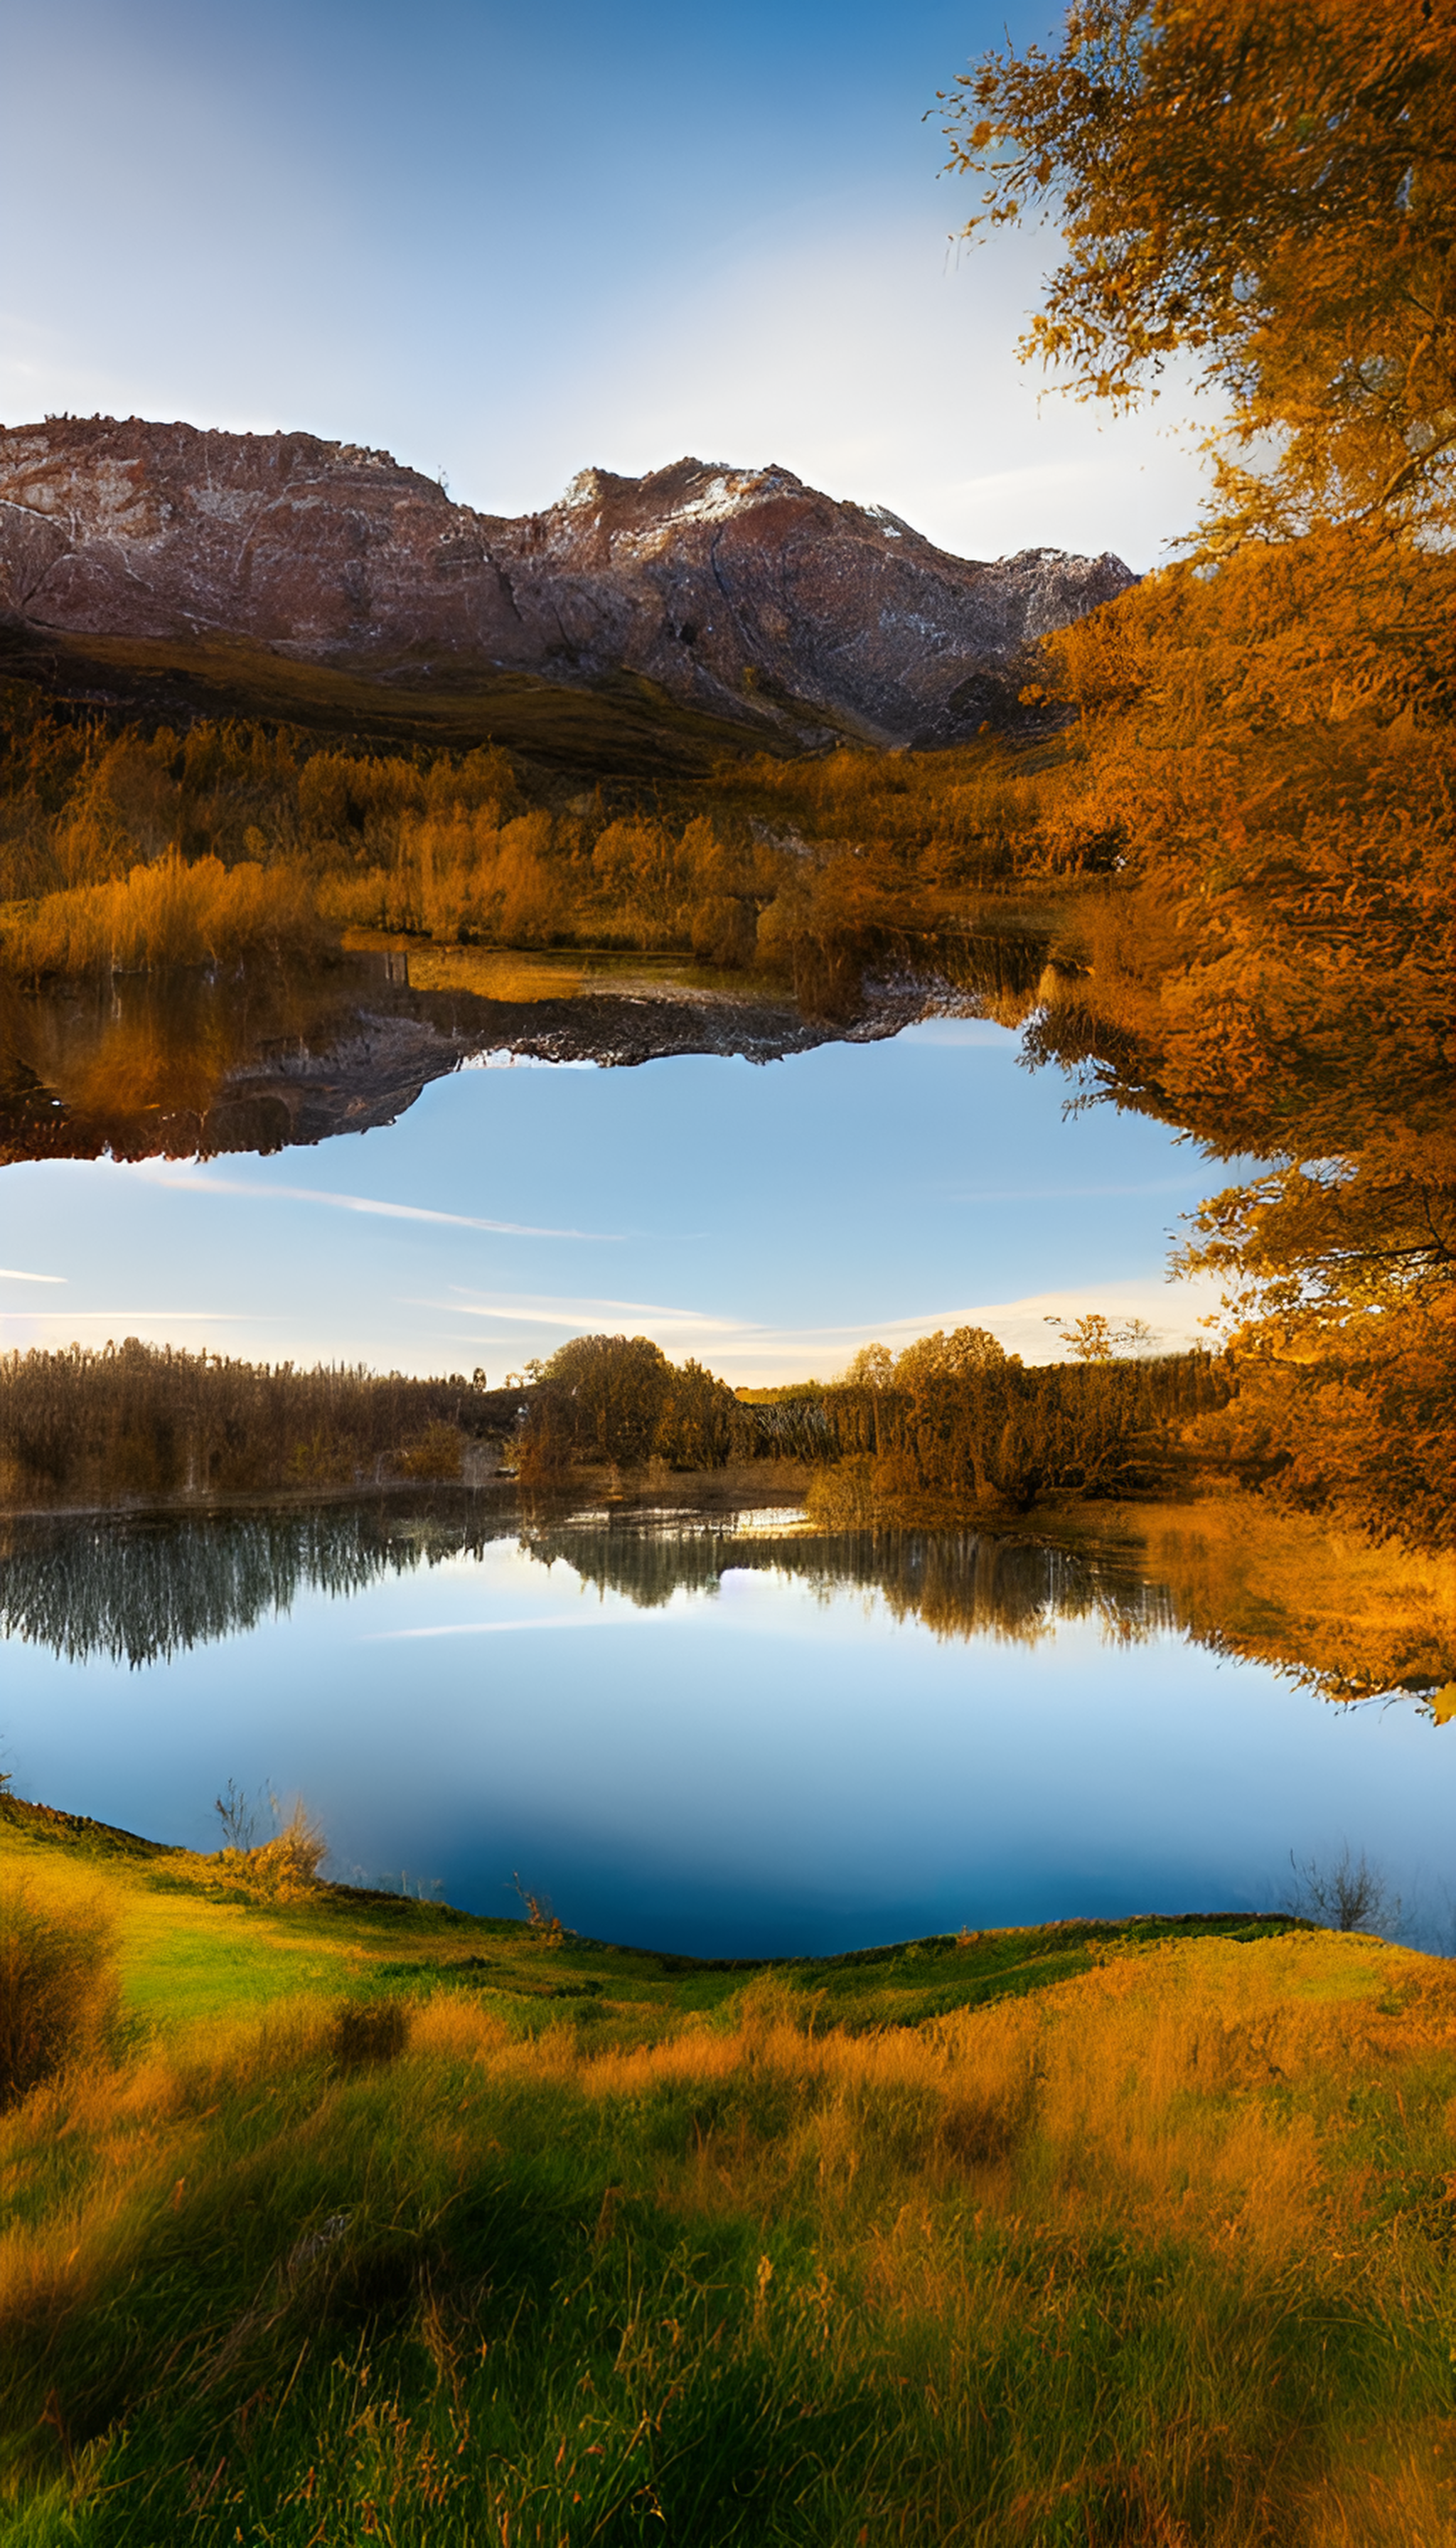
[709, 1489]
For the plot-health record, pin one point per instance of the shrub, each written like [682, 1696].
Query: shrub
[59, 1990]
[171, 912]
[843, 1498]
[281, 1870]
[367, 2032]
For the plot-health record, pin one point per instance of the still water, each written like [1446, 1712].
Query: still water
[725, 1737]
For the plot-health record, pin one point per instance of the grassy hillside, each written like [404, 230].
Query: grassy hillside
[624, 726]
[362, 2219]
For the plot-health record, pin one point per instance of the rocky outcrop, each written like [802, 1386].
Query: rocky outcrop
[739, 592]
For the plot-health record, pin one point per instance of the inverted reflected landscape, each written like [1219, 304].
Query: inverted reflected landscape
[717, 1732]
[727, 1736]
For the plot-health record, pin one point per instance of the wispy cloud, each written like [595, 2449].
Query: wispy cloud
[371, 1203]
[553, 1310]
[13, 1274]
[1172, 1310]
[751, 1352]
[505, 1627]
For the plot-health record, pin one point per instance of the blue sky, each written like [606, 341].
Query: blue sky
[767, 1220]
[507, 242]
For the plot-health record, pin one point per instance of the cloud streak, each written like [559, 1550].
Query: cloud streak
[749, 1351]
[370, 1204]
[555, 1309]
[501, 1627]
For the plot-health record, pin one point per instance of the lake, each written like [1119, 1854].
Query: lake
[735, 1742]
[725, 1736]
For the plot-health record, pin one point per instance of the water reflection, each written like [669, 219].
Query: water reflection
[256, 1057]
[956, 1584]
[710, 1732]
[145, 1590]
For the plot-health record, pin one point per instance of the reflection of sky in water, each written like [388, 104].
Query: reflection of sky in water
[766, 1219]
[770, 1769]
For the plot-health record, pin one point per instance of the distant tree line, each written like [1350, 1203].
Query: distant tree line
[957, 1417]
[954, 1417]
[953, 1427]
[136, 1422]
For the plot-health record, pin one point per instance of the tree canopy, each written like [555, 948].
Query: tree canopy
[1264, 186]
[1262, 763]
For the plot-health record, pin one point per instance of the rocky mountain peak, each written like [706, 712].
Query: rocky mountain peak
[739, 591]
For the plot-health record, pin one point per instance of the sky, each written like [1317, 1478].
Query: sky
[766, 1219]
[507, 244]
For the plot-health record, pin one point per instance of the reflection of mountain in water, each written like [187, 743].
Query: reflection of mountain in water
[147, 1589]
[184, 1063]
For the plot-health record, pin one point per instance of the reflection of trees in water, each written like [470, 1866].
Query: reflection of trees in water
[147, 1589]
[957, 1583]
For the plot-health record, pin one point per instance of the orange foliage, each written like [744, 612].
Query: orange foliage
[173, 912]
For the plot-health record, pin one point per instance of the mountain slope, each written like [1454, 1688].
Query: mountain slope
[740, 598]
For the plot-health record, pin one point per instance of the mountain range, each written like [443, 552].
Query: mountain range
[697, 607]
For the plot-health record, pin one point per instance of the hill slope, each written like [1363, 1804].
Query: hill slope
[384, 2224]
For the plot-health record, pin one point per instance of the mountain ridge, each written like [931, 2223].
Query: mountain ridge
[739, 594]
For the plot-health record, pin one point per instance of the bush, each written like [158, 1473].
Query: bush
[282, 1870]
[368, 2032]
[844, 1498]
[172, 912]
[59, 1990]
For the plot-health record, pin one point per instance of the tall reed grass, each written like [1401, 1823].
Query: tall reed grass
[1161, 2256]
[133, 1420]
[172, 912]
[119, 848]
[59, 1984]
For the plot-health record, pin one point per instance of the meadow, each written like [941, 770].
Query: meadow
[347, 2216]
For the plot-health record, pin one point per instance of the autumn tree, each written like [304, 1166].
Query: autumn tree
[1263, 752]
[1095, 1338]
[1263, 188]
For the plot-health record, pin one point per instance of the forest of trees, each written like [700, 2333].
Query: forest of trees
[954, 1423]
[1264, 730]
[955, 1418]
[128, 848]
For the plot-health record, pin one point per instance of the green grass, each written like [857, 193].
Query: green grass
[192, 1949]
[386, 2223]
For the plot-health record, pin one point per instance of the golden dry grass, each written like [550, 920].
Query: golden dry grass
[174, 911]
[1159, 2254]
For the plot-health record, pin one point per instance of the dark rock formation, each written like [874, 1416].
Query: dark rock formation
[740, 594]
